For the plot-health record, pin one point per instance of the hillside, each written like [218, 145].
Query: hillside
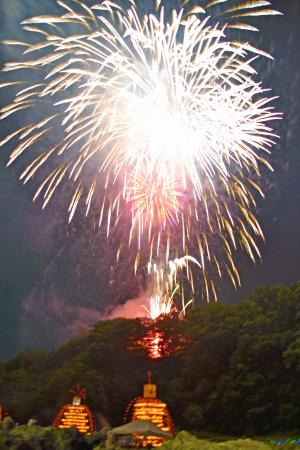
[230, 369]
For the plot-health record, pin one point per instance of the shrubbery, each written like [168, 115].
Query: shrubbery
[38, 438]
[47, 438]
[186, 441]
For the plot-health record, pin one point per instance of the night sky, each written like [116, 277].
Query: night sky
[56, 280]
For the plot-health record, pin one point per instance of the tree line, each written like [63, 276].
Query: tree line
[231, 369]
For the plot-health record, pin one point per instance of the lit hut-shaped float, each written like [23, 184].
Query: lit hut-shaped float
[76, 415]
[149, 407]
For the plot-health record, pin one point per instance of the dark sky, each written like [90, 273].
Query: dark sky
[56, 280]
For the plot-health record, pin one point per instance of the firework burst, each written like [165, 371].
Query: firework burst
[165, 281]
[160, 117]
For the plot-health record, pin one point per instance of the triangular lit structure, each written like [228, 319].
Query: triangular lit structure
[149, 407]
[76, 415]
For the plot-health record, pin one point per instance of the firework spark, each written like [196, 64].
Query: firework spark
[159, 306]
[164, 282]
[160, 117]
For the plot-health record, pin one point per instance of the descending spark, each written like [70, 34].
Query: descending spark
[159, 306]
[164, 282]
[161, 117]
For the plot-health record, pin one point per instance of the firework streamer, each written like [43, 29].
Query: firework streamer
[163, 120]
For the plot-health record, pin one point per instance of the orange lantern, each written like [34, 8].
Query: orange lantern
[149, 407]
[76, 415]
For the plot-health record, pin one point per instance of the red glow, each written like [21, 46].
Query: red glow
[154, 348]
[160, 340]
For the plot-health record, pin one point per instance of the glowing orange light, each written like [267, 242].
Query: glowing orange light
[76, 415]
[150, 408]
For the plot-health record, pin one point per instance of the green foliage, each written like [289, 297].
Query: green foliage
[38, 438]
[241, 368]
[48, 438]
[238, 372]
[187, 441]
[7, 424]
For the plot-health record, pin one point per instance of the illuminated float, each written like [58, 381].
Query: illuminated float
[76, 415]
[149, 407]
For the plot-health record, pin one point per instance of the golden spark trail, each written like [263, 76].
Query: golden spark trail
[161, 122]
